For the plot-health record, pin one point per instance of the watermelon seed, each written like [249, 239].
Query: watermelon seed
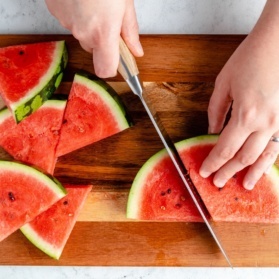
[81, 129]
[65, 121]
[182, 198]
[21, 52]
[65, 202]
[11, 196]
[178, 205]
[163, 208]
[236, 198]
[163, 193]
[169, 191]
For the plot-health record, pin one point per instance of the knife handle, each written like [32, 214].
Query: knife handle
[127, 66]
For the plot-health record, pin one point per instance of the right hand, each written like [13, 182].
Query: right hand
[97, 25]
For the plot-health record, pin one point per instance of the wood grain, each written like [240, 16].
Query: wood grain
[178, 74]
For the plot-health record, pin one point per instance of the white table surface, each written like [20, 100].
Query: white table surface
[155, 17]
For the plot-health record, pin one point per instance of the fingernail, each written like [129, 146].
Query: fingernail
[139, 48]
[219, 183]
[249, 185]
[209, 130]
[204, 174]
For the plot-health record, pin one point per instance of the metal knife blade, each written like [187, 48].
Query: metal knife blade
[129, 71]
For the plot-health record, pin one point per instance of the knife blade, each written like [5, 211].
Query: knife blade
[129, 71]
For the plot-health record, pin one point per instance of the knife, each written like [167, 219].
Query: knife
[129, 71]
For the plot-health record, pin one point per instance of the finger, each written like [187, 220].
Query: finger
[230, 141]
[106, 57]
[86, 47]
[262, 165]
[246, 156]
[218, 107]
[130, 30]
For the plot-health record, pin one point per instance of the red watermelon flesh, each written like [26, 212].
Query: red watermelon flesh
[93, 113]
[24, 193]
[34, 139]
[51, 229]
[156, 191]
[158, 194]
[29, 74]
[232, 202]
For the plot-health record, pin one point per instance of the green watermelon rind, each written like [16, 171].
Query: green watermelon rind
[53, 103]
[47, 179]
[136, 191]
[39, 242]
[204, 139]
[46, 87]
[108, 95]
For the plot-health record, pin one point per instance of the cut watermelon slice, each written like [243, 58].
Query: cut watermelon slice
[25, 192]
[29, 74]
[51, 229]
[232, 202]
[94, 112]
[157, 193]
[34, 140]
[156, 190]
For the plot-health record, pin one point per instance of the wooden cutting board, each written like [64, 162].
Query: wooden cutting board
[179, 73]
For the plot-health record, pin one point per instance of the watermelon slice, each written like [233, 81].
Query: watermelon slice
[232, 203]
[149, 199]
[29, 74]
[157, 193]
[94, 112]
[34, 140]
[25, 192]
[51, 229]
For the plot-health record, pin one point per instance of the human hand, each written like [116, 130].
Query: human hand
[250, 83]
[97, 25]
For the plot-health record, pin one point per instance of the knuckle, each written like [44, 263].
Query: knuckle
[269, 155]
[226, 153]
[246, 159]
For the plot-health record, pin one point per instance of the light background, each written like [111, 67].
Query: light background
[155, 17]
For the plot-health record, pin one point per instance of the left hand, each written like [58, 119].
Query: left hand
[250, 83]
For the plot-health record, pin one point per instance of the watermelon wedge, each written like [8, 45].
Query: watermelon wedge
[25, 192]
[232, 203]
[29, 74]
[34, 139]
[51, 229]
[157, 193]
[156, 190]
[94, 112]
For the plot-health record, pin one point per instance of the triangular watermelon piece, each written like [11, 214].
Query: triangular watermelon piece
[94, 111]
[34, 140]
[51, 229]
[231, 203]
[25, 192]
[158, 194]
[29, 74]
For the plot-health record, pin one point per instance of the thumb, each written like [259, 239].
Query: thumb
[219, 106]
[130, 30]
